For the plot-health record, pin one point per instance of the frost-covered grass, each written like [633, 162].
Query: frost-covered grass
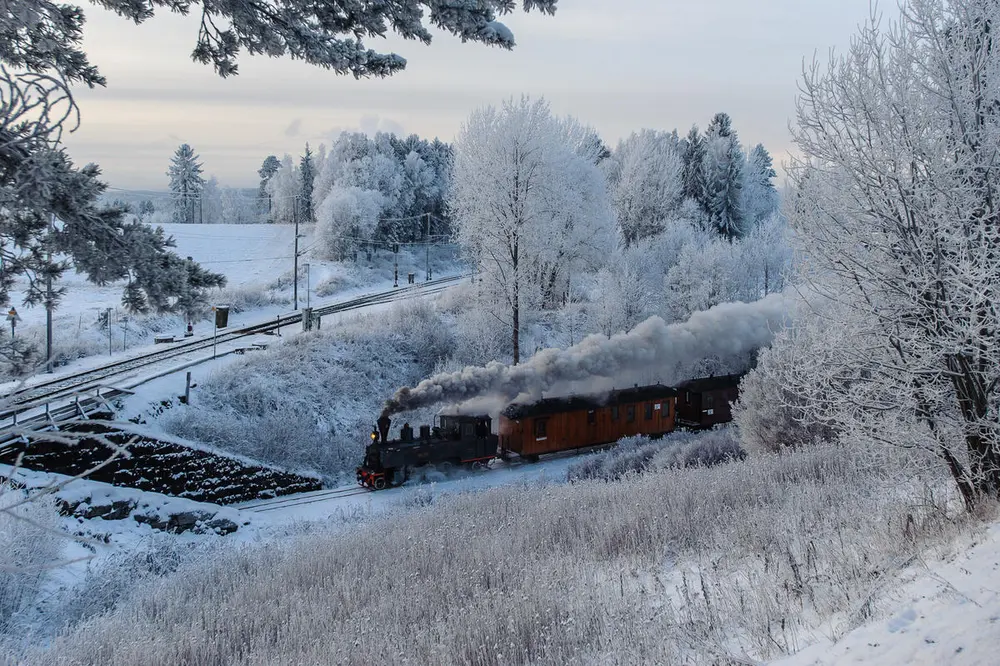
[641, 454]
[741, 561]
[309, 404]
[30, 549]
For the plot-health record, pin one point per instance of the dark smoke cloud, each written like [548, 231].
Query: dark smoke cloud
[724, 330]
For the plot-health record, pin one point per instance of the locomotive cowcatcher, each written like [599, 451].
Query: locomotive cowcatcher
[458, 440]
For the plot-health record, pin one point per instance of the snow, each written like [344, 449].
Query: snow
[938, 613]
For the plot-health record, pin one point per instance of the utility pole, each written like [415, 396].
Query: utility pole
[308, 288]
[427, 248]
[48, 299]
[110, 350]
[295, 261]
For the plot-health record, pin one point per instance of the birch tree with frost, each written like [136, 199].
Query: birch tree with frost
[899, 220]
[523, 191]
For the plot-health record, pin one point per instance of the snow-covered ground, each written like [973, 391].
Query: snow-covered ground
[937, 612]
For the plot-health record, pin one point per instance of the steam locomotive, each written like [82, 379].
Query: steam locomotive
[458, 440]
[547, 426]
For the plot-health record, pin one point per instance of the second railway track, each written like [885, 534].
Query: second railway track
[73, 383]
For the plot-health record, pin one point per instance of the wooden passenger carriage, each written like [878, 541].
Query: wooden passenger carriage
[562, 424]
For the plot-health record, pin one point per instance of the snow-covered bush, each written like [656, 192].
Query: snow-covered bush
[309, 403]
[734, 563]
[31, 547]
[245, 298]
[640, 454]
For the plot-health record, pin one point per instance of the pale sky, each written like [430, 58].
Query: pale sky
[618, 65]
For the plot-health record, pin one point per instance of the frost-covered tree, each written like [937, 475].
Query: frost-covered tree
[307, 174]
[693, 156]
[347, 219]
[266, 172]
[646, 182]
[621, 296]
[411, 176]
[210, 207]
[238, 206]
[759, 198]
[43, 35]
[145, 209]
[723, 177]
[49, 208]
[897, 209]
[522, 188]
[186, 185]
[284, 189]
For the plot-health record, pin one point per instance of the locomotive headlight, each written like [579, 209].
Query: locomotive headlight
[374, 435]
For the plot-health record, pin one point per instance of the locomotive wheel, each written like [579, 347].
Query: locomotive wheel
[379, 483]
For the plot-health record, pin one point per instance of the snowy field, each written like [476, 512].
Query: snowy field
[257, 262]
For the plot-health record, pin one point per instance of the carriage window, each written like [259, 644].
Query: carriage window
[630, 413]
[591, 416]
[614, 412]
[649, 411]
[709, 401]
[540, 427]
[666, 409]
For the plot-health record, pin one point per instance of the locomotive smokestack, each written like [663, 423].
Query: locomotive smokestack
[383, 426]
[728, 329]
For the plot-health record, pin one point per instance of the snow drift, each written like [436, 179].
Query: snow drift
[727, 329]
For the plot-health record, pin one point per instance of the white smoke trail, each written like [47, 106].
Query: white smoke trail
[725, 330]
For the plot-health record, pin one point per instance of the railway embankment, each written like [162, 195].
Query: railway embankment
[129, 457]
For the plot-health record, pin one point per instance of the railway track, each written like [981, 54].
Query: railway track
[305, 498]
[65, 386]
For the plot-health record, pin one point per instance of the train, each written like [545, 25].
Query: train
[550, 425]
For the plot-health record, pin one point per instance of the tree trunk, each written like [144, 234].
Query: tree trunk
[516, 303]
[981, 427]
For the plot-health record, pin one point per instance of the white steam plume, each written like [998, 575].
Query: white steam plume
[727, 329]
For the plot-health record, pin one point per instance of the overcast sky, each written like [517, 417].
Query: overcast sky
[618, 65]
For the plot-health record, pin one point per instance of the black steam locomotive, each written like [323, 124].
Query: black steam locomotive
[458, 440]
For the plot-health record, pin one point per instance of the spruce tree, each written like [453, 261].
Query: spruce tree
[694, 174]
[186, 185]
[760, 198]
[723, 167]
[721, 125]
[307, 175]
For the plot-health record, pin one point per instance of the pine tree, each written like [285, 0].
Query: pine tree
[307, 174]
[266, 172]
[186, 185]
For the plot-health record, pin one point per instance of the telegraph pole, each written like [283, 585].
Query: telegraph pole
[427, 248]
[295, 262]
